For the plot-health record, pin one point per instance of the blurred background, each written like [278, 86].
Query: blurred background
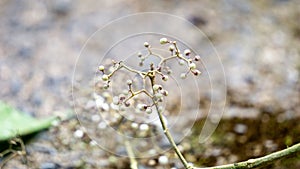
[258, 43]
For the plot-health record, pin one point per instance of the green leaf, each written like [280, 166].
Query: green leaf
[13, 123]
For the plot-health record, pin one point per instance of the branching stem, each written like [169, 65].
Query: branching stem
[155, 96]
[12, 152]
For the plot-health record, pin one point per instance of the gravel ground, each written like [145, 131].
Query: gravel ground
[258, 43]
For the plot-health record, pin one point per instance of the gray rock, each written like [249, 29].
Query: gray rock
[49, 165]
[240, 128]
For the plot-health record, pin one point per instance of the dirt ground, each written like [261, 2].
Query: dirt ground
[258, 44]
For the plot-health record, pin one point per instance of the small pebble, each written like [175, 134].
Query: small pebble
[240, 128]
[95, 118]
[134, 125]
[15, 86]
[152, 152]
[144, 127]
[49, 165]
[151, 162]
[78, 133]
[102, 125]
[25, 52]
[163, 160]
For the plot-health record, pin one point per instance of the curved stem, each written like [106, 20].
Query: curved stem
[259, 162]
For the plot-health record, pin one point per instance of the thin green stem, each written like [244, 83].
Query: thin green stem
[262, 161]
[166, 130]
[133, 162]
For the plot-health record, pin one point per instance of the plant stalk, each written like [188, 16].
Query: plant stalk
[166, 130]
[261, 161]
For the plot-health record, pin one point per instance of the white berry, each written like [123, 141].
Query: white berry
[156, 87]
[101, 68]
[105, 77]
[187, 52]
[182, 75]
[163, 41]
[181, 62]
[146, 44]
[192, 66]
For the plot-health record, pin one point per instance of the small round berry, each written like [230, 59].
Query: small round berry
[181, 62]
[171, 48]
[101, 68]
[122, 97]
[140, 54]
[142, 107]
[105, 77]
[161, 99]
[165, 78]
[187, 52]
[148, 110]
[141, 64]
[183, 75]
[146, 44]
[165, 93]
[129, 82]
[158, 95]
[197, 58]
[106, 86]
[192, 66]
[163, 41]
[127, 104]
[159, 69]
[196, 72]
[157, 87]
[169, 71]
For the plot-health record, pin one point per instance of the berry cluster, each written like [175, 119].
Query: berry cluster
[153, 91]
[183, 59]
[157, 93]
